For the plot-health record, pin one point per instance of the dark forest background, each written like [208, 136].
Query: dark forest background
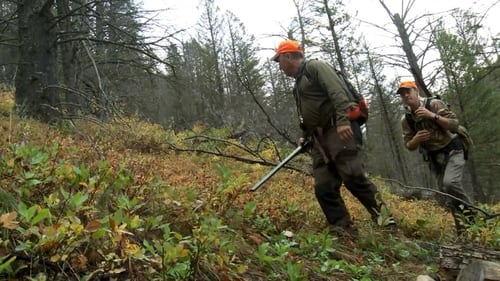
[98, 60]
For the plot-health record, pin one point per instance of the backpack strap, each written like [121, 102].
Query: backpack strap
[411, 122]
[350, 91]
[306, 73]
[427, 103]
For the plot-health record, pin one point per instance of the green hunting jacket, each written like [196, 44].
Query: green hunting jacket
[439, 136]
[322, 99]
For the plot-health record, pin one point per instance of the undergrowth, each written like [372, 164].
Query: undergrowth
[134, 201]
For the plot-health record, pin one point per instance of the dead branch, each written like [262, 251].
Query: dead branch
[219, 153]
[486, 214]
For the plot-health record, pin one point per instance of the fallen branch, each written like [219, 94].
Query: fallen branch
[237, 158]
[486, 214]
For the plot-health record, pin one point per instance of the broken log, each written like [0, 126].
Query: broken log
[468, 263]
[480, 271]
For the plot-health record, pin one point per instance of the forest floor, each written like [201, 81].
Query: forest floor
[132, 201]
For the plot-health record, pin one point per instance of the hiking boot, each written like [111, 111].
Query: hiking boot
[349, 232]
[344, 228]
[390, 222]
[387, 222]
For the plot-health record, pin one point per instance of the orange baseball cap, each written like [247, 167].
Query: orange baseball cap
[287, 46]
[407, 85]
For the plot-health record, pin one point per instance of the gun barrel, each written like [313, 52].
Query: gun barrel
[279, 166]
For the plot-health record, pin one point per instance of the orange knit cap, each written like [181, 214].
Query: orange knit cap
[407, 85]
[287, 46]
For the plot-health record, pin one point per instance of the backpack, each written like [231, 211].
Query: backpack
[359, 112]
[462, 132]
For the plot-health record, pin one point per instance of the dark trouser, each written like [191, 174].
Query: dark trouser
[344, 167]
[332, 204]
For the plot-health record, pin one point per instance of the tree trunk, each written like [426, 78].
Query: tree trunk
[35, 95]
[410, 55]
[392, 134]
[480, 271]
[331, 26]
[72, 98]
[457, 261]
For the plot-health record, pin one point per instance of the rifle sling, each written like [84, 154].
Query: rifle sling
[318, 136]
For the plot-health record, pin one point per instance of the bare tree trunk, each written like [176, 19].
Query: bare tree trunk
[37, 61]
[454, 86]
[454, 258]
[410, 55]
[415, 69]
[217, 102]
[300, 19]
[335, 37]
[72, 99]
[101, 33]
[387, 123]
[476, 186]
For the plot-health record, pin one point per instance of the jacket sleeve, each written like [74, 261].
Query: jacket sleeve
[408, 133]
[442, 109]
[329, 81]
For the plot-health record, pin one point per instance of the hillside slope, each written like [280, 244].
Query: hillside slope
[128, 201]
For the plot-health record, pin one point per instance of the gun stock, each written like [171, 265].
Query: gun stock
[298, 150]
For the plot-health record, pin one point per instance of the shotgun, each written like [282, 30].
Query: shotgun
[298, 150]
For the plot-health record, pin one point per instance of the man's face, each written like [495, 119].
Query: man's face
[409, 96]
[286, 64]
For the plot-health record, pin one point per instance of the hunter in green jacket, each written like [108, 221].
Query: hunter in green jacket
[322, 106]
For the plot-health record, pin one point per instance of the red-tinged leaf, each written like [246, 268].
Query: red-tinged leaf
[112, 224]
[93, 226]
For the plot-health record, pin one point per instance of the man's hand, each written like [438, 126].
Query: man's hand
[424, 113]
[421, 136]
[345, 133]
[300, 141]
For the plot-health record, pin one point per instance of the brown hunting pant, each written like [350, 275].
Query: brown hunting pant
[334, 163]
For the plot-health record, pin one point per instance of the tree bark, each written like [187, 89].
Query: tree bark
[73, 100]
[480, 271]
[395, 148]
[462, 261]
[38, 62]
[335, 37]
[410, 55]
